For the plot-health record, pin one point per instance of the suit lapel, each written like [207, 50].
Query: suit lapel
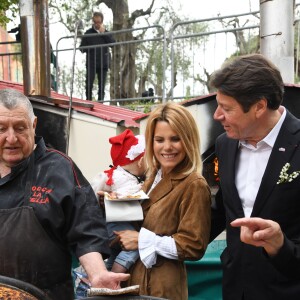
[228, 175]
[284, 148]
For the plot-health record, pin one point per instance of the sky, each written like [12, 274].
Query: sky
[189, 9]
[197, 9]
[192, 9]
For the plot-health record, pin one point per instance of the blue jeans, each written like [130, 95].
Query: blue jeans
[123, 258]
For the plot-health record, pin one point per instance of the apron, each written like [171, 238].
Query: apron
[28, 254]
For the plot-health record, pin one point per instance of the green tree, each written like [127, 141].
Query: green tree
[122, 71]
[135, 65]
[12, 6]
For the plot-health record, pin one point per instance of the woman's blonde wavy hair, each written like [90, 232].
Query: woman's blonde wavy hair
[183, 123]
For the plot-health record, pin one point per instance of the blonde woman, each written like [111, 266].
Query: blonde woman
[176, 226]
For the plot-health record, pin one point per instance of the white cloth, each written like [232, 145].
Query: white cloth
[251, 165]
[137, 149]
[124, 183]
[122, 211]
[151, 245]
[157, 179]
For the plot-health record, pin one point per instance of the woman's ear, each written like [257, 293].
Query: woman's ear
[141, 162]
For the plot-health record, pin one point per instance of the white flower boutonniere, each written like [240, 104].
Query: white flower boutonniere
[285, 177]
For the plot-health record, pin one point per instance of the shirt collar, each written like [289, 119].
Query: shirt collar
[270, 139]
[96, 29]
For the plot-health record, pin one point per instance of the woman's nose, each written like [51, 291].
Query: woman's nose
[167, 145]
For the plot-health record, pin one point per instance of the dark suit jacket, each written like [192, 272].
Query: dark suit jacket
[96, 55]
[248, 269]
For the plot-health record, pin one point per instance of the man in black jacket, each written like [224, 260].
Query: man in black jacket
[259, 168]
[97, 55]
[48, 210]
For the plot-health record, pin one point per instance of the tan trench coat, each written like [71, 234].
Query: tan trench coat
[179, 206]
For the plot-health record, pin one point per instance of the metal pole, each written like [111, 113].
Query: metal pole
[28, 47]
[298, 36]
[79, 25]
[277, 35]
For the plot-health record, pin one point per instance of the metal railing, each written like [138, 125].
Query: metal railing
[135, 47]
[178, 65]
[184, 77]
[10, 62]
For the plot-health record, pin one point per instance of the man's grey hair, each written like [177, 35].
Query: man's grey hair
[12, 99]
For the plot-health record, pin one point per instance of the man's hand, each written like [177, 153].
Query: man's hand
[97, 273]
[109, 280]
[102, 28]
[260, 233]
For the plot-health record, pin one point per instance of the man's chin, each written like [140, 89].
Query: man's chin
[231, 135]
[12, 162]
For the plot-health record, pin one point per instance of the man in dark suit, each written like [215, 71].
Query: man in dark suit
[149, 93]
[259, 197]
[97, 56]
[17, 31]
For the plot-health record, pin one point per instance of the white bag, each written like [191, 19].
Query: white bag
[123, 210]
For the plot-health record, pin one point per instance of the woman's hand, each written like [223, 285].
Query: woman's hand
[128, 239]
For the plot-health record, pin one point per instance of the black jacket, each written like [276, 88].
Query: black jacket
[63, 201]
[248, 269]
[98, 54]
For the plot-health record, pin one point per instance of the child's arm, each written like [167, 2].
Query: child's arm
[98, 183]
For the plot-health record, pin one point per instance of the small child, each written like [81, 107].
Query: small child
[124, 178]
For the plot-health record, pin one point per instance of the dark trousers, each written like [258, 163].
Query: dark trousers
[91, 72]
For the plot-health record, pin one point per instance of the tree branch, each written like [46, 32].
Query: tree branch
[139, 13]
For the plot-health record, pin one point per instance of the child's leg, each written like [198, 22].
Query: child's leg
[110, 261]
[124, 261]
[120, 261]
[117, 268]
[111, 227]
[115, 249]
[117, 226]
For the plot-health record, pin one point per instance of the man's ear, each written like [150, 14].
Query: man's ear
[261, 107]
[34, 123]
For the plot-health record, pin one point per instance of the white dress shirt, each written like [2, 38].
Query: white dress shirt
[151, 245]
[251, 165]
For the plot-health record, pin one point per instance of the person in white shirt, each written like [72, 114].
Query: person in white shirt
[259, 164]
